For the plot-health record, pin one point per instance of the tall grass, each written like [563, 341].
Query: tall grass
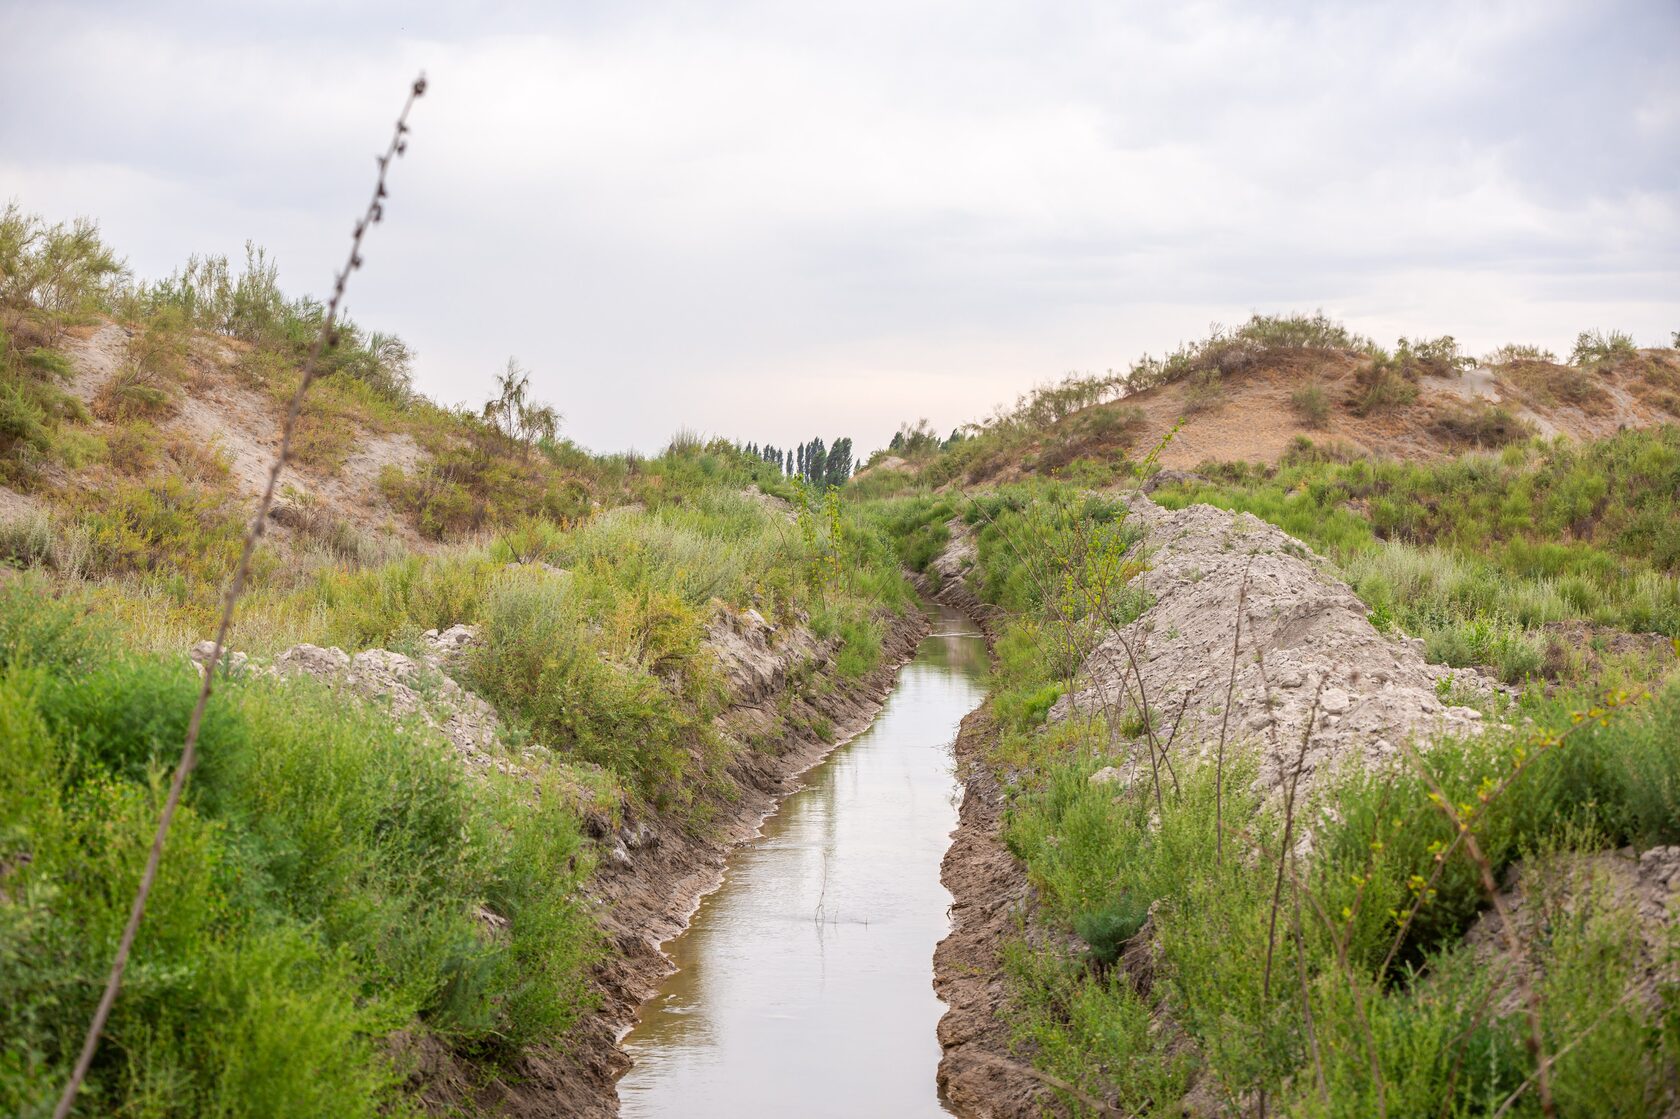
[1382, 997]
[324, 890]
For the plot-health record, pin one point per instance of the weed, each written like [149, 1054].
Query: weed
[1312, 405]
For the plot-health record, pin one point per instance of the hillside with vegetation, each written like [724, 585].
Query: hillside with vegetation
[1330, 763]
[1330, 774]
[1250, 394]
[378, 896]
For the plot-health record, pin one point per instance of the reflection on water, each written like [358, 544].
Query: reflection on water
[804, 984]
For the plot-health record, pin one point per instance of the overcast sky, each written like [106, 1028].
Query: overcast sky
[771, 221]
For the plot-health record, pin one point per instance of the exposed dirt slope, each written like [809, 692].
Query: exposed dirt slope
[1308, 653]
[218, 417]
[1254, 420]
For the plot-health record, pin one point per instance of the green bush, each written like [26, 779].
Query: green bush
[1481, 425]
[1263, 339]
[1594, 348]
[541, 664]
[323, 888]
[1383, 384]
[1312, 405]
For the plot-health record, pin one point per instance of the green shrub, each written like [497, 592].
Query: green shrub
[1204, 391]
[1594, 348]
[1263, 339]
[541, 664]
[60, 269]
[1383, 384]
[1480, 424]
[1312, 405]
[1235, 967]
[1106, 930]
[1514, 353]
[323, 889]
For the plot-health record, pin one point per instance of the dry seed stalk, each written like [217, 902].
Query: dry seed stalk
[327, 337]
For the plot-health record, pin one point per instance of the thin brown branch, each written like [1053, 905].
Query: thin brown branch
[1288, 834]
[327, 338]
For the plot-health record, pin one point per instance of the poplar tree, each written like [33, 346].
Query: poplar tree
[839, 466]
[816, 463]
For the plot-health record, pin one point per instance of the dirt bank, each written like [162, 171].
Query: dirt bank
[989, 895]
[651, 880]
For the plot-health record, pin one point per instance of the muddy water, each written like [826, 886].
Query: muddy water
[804, 983]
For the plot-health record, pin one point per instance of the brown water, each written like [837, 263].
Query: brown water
[804, 984]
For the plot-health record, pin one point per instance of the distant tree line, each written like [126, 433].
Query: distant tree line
[813, 462]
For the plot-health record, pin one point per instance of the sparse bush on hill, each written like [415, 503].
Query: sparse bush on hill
[1481, 425]
[205, 295]
[1204, 391]
[1513, 353]
[1264, 338]
[1548, 383]
[1391, 381]
[913, 441]
[1105, 433]
[63, 270]
[1594, 348]
[1383, 384]
[1312, 405]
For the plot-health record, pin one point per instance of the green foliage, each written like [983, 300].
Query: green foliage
[1236, 978]
[1594, 348]
[323, 888]
[918, 527]
[63, 269]
[33, 407]
[473, 484]
[521, 420]
[576, 692]
[1513, 353]
[206, 295]
[168, 527]
[1312, 405]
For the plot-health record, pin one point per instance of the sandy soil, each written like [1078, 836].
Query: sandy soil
[217, 411]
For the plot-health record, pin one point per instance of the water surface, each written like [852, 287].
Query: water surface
[804, 984]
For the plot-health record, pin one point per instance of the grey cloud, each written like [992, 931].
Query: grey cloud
[767, 222]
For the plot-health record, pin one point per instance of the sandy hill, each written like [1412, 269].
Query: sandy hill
[1252, 403]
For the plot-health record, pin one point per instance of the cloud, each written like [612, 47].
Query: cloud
[768, 222]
